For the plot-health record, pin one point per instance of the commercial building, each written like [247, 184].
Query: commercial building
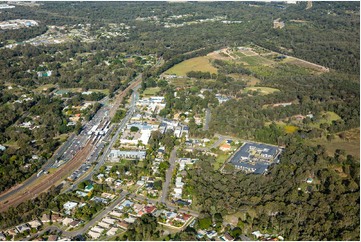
[127, 154]
[255, 158]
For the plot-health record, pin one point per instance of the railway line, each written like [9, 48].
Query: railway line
[47, 181]
[43, 182]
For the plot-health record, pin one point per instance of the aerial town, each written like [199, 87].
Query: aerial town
[179, 121]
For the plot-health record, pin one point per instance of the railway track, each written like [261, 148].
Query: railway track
[121, 96]
[47, 181]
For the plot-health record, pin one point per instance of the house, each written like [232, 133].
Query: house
[81, 194]
[100, 200]
[257, 234]
[74, 223]
[130, 220]
[56, 217]
[22, 228]
[104, 225]
[112, 231]
[45, 218]
[138, 207]
[109, 220]
[278, 24]
[89, 188]
[52, 237]
[225, 147]
[2, 148]
[109, 180]
[100, 177]
[69, 206]
[182, 202]
[12, 232]
[182, 217]
[2, 236]
[150, 209]
[107, 195]
[309, 180]
[67, 221]
[179, 183]
[227, 237]
[97, 229]
[211, 234]
[115, 214]
[123, 225]
[35, 223]
[94, 235]
[178, 192]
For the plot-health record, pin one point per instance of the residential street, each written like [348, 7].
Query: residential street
[168, 177]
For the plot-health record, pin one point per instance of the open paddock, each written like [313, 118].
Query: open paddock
[202, 63]
[305, 64]
[181, 82]
[351, 143]
[151, 91]
[262, 90]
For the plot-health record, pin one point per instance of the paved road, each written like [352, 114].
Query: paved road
[168, 177]
[207, 119]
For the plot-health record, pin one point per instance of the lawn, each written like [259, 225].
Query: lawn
[327, 117]
[201, 63]
[44, 87]
[181, 82]
[151, 91]
[262, 90]
[250, 80]
[221, 158]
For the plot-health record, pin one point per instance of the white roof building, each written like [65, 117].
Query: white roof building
[109, 220]
[67, 221]
[112, 231]
[70, 205]
[104, 225]
[97, 229]
[35, 223]
[94, 235]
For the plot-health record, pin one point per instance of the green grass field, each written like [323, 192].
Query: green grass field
[152, 91]
[262, 90]
[221, 158]
[327, 117]
[44, 87]
[256, 61]
[181, 82]
[195, 64]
